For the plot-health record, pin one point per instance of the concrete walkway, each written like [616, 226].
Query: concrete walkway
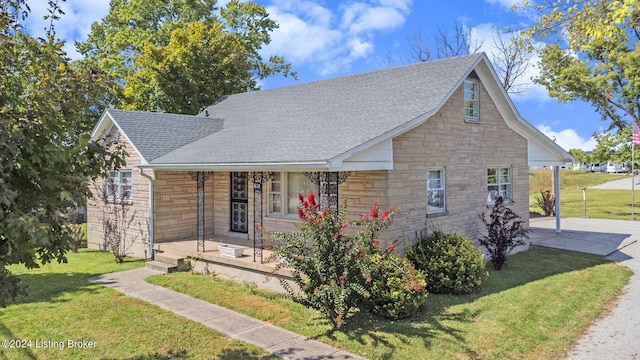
[282, 343]
[616, 336]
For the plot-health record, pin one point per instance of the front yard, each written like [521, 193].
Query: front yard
[64, 306]
[535, 308]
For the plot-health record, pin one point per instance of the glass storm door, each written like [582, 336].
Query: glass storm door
[239, 202]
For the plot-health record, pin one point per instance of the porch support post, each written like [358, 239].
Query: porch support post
[258, 178]
[200, 177]
[556, 191]
[329, 182]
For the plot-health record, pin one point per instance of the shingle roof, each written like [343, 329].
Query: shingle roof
[306, 123]
[320, 120]
[156, 134]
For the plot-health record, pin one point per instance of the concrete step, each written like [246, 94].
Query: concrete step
[161, 266]
[171, 259]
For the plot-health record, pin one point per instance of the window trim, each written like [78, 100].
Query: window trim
[284, 186]
[476, 101]
[443, 180]
[117, 177]
[499, 183]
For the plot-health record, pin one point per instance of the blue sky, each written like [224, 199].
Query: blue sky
[324, 39]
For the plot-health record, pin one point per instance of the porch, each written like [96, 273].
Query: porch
[183, 254]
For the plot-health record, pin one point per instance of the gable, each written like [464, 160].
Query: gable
[154, 134]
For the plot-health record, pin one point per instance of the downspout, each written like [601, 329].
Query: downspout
[150, 219]
[556, 191]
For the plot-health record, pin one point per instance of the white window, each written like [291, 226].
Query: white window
[498, 184]
[471, 100]
[284, 190]
[435, 191]
[119, 185]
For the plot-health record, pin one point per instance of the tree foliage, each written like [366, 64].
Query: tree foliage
[46, 155]
[592, 54]
[580, 155]
[180, 55]
[613, 146]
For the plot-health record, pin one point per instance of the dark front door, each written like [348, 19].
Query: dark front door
[239, 202]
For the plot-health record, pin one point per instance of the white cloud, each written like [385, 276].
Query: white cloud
[361, 17]
[568, 138]
[359, 48]
[299, 40]
[403, 5]
[75, 24]
[330, 40]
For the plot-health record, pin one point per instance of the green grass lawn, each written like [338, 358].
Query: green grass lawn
[533, 309]
[62, 305]
[601, 203]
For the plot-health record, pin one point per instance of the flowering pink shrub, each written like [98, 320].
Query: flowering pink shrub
[335, 271]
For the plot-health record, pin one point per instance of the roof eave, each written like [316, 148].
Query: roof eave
[521, 125]
[104, 126]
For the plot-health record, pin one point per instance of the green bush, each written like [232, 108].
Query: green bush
[397, 290]
[452, 264]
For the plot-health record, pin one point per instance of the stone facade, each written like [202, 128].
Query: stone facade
[98, 211]
[464, 149]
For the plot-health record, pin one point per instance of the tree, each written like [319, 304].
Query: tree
[179, 55]
[613, 146]
[592, 54]
[448, 44]
[46, 154]
[510, 57]
[218, 65]
[580, 155]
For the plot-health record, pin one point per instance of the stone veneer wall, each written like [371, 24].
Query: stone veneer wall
[465, 150]
[175, 206]
[139, 208]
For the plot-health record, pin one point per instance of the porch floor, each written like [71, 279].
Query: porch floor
[189, 248]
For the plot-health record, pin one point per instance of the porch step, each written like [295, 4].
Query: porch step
[171, 259]
[167, 263]
[161, 266]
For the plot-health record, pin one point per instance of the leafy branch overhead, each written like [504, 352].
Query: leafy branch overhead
[592, 54]
[181, 56]
[47, 111]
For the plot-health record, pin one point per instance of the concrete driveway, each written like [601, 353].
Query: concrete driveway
[616, 336]
[624, 183]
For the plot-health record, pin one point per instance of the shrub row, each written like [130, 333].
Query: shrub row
[339, 271]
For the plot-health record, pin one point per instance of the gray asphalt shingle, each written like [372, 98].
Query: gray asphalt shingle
[155, 134]
[315, 121]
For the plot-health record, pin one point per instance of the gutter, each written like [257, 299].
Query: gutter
[312, 165]
[150, 254]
